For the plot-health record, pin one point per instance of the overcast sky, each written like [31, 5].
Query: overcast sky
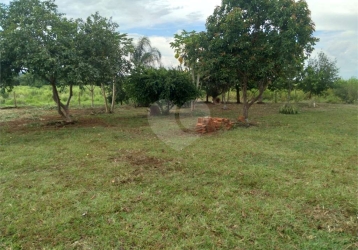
[336, 23]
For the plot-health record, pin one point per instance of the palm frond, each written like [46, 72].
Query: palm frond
[145, 54]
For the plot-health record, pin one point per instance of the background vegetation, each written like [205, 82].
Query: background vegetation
[344, 91]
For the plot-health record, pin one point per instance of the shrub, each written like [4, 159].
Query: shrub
[165, 87]
[288, 109]
[4, 95]
[347, 90]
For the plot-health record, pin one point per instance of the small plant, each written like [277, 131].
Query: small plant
[288, 109]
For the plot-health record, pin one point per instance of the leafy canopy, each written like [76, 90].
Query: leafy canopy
[258, 39]
[150, 85]
[102, 50]
[320, 74]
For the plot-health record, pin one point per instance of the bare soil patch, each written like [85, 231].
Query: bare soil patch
[21, 120]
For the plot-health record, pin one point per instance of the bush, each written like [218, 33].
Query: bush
[298, 95]
[329, 96]
[288, 109]
[165, 87]
[4, 95]
[347, 90]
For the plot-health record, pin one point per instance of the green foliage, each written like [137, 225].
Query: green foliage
[327, 96]
[102, 50]
[36, 39]
[320, 74]
[259, 40]
[189, 48]
[40, 41]
[30, 80]
[4, 94]
[178, 88]
[207, 70]
[121, 93]
[217, 77]
[347, 90]
[149, 85]
[7, 57]
[288, 109]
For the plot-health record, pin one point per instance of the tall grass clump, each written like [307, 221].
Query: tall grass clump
[288, 109]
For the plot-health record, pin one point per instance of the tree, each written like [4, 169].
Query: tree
[189, 49]
[8, 70]
[102, 50]
[258, 38]
[121, 94]
[40, 41]
[320, 74]
[288, 80]
[165, 87]
[216, 80]
[144, 54]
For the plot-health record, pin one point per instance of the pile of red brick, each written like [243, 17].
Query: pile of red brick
[211, 124]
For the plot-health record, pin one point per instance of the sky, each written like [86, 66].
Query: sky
[336, 23]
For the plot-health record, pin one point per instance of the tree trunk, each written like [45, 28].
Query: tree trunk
[113, 96]
[66, 107]
[69, 98]
[247, 104]
[61, 108]
[92, 96]
[262, 87]
[260, 97]
[105, 98]
[237, 94]
[245, 109]
[197, 83]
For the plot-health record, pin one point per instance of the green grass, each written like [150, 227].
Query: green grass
[42, 97]
[108, 182]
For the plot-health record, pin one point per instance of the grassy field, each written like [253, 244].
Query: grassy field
[112, 182]
[42, 97]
